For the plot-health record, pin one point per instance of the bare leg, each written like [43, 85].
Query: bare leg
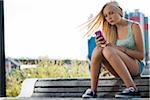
[118, 65]
[130, 63]
[109, 67]
[95, 67]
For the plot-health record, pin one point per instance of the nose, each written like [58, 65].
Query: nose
[109, 17]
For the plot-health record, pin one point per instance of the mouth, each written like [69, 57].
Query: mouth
[111, 21]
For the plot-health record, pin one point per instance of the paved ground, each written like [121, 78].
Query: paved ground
[71, 98]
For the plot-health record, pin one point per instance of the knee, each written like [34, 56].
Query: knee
[97, 51]
[97, 54]
[108, 52]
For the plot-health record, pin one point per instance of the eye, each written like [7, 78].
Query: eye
[110, 13]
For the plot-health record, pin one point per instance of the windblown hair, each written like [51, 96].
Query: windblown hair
[109, 31]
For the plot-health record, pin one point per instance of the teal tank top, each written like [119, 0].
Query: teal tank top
[129, 41]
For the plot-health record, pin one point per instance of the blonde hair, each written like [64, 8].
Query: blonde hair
[109, 31]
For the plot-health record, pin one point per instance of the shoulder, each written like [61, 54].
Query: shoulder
[133, 23]
[135, 27]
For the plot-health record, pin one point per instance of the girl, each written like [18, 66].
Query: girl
[122, 53]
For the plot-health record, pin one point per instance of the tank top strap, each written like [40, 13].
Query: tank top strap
[129, 27]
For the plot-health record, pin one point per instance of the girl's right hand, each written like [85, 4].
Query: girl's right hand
[100, 41]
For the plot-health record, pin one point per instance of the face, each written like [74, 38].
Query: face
[111, 15]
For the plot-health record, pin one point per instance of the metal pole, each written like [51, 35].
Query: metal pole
[2, 53]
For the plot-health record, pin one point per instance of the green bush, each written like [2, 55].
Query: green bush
[47, 69]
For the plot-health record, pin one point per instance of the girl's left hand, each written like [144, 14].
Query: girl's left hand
[121, 48]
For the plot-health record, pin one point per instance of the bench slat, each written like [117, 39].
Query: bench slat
[82, 89]
[106, 82]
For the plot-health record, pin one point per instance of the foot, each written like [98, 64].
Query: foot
[89, 94]
[130, 92]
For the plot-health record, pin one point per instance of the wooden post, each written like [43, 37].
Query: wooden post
[2, 53]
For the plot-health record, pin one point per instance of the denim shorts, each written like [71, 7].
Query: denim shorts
[141, 65]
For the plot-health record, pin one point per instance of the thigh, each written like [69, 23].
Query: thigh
[131, 63]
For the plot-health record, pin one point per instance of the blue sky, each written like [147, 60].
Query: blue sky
[35, 28]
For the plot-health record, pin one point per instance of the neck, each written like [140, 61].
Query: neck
[121, 23]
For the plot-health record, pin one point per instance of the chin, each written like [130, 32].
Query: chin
[112, 23]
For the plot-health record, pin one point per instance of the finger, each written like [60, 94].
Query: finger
[103, 42]
[98, 43]
[98, 39]
[102, 39]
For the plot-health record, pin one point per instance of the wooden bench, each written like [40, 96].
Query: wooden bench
[75, 87]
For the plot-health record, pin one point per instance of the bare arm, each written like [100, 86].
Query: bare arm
[138, 53]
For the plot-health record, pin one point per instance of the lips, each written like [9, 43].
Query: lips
[111, 21]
